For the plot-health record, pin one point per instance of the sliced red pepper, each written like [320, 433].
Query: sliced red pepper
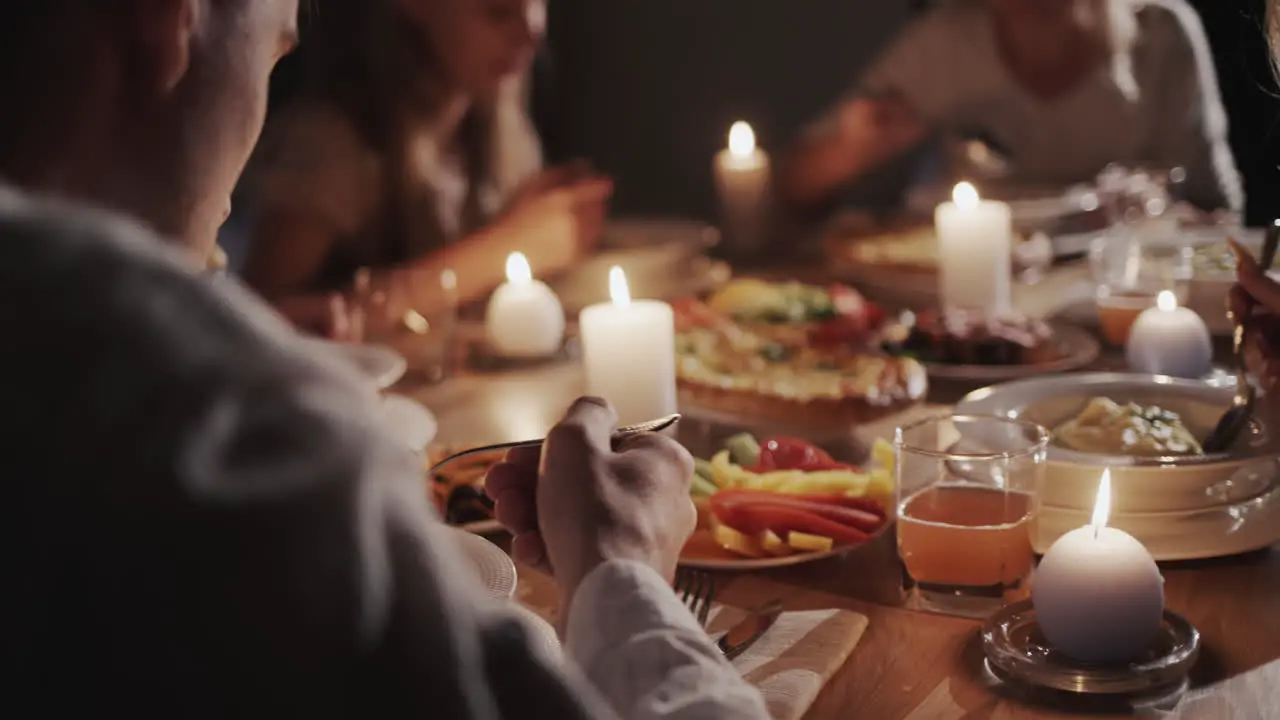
[856, 518]
[787, 453]
[755, 519]
[839, 499]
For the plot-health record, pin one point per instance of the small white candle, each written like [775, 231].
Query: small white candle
[975, 249]
[742, 181]
[524, 317]
[1098, 594]
[1170, 340]
[628, 350]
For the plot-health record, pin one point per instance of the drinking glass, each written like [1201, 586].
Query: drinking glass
[1130, 272]
[414, 312]
[967, 496]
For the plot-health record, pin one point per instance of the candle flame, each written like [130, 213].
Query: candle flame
[742, 139]
[1102, 506]
[1167, 301]
[965, 195]
[518, 271]
[618, 289]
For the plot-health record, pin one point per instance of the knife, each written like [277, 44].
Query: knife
[744, 634]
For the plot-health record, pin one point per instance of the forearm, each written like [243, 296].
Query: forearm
[814, 172]
[478, 261]
[645, 653]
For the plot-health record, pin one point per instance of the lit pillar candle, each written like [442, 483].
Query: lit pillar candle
[524, 317]
[628, 351]
[975, 248]
[742, 181]
[1170, 340]
[1098, 594]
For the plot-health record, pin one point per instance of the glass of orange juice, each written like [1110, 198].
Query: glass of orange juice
[967, 500]
[1130, 271]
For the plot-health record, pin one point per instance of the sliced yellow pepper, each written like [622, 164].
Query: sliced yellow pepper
[806, 542]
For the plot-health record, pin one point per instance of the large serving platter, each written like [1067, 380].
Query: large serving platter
[1186, 507]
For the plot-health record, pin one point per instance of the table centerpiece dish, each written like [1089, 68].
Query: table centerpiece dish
[1180, 502]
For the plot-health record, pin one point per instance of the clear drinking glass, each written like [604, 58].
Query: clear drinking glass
[967, 494]
[414, 312]
[1130, 272]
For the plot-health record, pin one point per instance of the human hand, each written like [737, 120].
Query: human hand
[561, 212]
[1257, 296]
[327, 315]
[577, 502]
[879, 127]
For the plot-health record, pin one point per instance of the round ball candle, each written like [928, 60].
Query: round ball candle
[628, 352]
[742, 181]
[1170, 340]
[524, 317]
[1098, 594]
[975, 251]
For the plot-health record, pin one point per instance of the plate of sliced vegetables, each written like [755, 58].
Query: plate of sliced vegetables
[779, 501]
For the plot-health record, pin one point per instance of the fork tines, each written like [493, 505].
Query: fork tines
[696, 589]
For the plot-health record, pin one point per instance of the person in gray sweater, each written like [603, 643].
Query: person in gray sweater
[200, 519]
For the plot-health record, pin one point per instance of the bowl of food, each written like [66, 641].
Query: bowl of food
[1146, 429]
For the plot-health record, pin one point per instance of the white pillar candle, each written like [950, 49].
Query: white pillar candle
[742, 182]
[1098, 594]
[524, 317]
[975, 248]
[1170, 340]
[628, 350]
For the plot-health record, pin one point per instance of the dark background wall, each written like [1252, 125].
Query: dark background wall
[647, 89]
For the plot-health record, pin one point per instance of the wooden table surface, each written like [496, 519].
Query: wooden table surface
[909, 664]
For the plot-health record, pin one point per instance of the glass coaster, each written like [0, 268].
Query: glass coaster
[1016, 650]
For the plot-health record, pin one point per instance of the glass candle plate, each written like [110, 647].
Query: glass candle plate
[1016, 649]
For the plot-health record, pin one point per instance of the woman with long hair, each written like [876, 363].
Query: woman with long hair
[409, 148]
[1063, 87]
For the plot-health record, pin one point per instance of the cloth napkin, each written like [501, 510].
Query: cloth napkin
[790, 663]
[796, 656]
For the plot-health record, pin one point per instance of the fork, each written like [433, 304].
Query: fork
[647, 426]
[696, 589]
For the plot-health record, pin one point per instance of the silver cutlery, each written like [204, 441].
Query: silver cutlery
[623, 432]
[1234, 421]
[747, 631]
[696, 589]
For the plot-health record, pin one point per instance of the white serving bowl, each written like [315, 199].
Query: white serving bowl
[1139, 485]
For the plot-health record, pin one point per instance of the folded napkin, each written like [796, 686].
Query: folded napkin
[796, 656]
[1248, 696]
[790, 663]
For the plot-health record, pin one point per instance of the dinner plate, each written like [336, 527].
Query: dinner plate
[382, 365]
[1080, 348]
[409, 420]
[494, 569]
[543, 634]
[702, 553]
[1218, 531]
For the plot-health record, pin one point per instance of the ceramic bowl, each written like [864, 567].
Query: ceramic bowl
[1139, 485]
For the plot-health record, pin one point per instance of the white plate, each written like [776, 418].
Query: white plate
[1251, 524]
[543, 633]
[495, 570]
[1029, 205]
[1139, 485]
[382, 365]
[409, 420]
[746, 563]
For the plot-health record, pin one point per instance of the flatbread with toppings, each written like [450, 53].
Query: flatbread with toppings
[790, 352]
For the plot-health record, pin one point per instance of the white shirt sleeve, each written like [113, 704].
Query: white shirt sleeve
[647, 655]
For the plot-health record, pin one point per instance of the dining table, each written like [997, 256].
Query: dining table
[909, 664]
